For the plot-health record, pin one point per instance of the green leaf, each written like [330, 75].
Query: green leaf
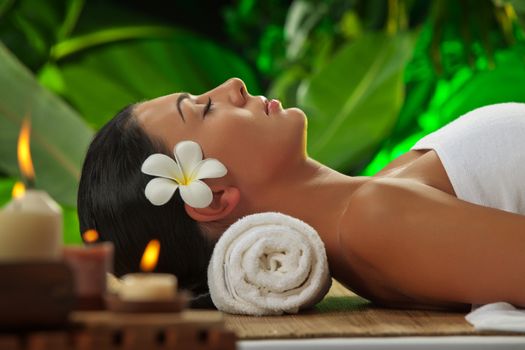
[300, 20]
[519, 8]
[30, 27]
[5, 6]
[74, 9]
[6, 188]
[59, 137]
[284, 87]
[107, 36]
[354, 100]
[467, 90]
[101, 80]
[71, 226]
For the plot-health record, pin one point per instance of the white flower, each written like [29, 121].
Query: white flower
[185, 173]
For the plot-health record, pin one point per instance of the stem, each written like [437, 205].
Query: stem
[6, 6]
[438, 19]
[72, 14]
[392, 22]
[106, 36]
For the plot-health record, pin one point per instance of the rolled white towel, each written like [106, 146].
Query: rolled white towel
[268, 264]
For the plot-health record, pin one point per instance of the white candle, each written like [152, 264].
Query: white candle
[148, 287]
[31, 228]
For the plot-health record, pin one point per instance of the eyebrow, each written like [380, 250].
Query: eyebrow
[181, 98]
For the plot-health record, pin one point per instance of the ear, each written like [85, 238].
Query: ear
[224, 201]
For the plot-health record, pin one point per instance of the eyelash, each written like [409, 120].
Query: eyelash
[208, 107]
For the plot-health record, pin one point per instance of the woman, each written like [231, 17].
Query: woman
[400, 238]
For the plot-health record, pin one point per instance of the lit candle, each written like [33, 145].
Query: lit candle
[31, 224]
[148, 286]
[90, 265]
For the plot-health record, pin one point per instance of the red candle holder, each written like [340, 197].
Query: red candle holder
[90, 265]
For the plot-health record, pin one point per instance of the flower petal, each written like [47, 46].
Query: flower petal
[159, 164]
[208, 169]
[160, 190]
[197, 194]
[188, 155]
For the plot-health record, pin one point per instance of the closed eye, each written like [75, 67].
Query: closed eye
[207, 108]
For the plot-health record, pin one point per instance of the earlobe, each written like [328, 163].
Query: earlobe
[224, 201]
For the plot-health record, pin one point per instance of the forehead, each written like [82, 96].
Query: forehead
[159, 117]
[160, 105]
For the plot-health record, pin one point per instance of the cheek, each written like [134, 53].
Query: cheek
[255, 150]
[272, 150]
[243, 145]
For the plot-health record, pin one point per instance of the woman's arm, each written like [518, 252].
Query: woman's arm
[433, 247]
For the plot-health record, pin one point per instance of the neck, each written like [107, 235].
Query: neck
[314, 193]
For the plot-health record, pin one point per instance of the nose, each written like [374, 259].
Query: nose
[232, 90]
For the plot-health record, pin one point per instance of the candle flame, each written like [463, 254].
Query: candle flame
[90, 236]
[150, 256]
[24, 153]
[18, 190]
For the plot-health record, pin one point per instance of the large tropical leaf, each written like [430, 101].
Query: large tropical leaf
[353, 101]
[101, 80]
[30, 27]
[59, 135]
[468, 89]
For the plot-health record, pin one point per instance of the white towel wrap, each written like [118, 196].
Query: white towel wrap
[267, 264]
[499, 316]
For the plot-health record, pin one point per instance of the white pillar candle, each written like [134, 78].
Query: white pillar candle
[148, 287]
[31, 228]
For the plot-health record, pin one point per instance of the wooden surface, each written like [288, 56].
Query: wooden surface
[344, 314]
[102, 330]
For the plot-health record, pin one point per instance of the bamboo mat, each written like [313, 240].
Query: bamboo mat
[344, 314]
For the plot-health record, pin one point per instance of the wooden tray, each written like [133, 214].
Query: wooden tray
[105, 330]
[35, 295]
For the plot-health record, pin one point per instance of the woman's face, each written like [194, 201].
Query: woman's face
[254, 142]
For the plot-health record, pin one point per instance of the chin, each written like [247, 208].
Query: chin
[295, 111]
[298, 117]
[300, 126]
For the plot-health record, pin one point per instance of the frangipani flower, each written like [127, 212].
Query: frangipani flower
[185, 173]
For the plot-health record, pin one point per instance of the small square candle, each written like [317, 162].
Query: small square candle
[148, 286]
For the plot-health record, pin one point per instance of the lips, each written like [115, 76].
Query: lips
[271, 106]
[274, 106]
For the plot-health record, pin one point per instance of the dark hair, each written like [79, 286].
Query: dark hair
[111, 200]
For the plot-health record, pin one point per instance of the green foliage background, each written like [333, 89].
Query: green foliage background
[373, 76]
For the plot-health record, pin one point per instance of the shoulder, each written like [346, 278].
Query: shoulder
[370, 214]
[380, 208]
[371, 233]
[407, 233]
[365, 233]
[381, 214]
[374, 202]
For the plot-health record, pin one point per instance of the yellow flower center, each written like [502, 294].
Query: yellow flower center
[185, 181]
